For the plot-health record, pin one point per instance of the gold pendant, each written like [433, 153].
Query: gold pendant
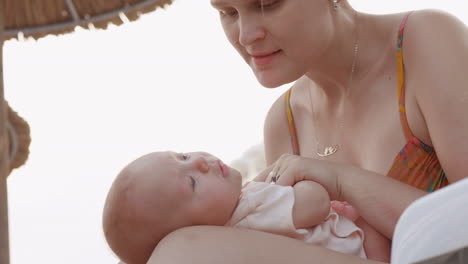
[328, 151]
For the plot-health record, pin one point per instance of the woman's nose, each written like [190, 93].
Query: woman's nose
[250, 32]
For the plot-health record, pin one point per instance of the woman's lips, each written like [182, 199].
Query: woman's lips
[261, 60]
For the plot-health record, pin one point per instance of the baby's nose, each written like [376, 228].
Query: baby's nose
[202, 165]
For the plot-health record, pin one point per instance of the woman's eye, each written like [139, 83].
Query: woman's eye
[231, 13]
[267, 4]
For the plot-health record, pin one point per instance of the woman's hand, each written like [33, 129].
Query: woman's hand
[289, 169]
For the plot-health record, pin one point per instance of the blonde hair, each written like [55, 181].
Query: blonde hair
[134, 224]
[128, 234]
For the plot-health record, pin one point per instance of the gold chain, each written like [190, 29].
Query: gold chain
[332, 149]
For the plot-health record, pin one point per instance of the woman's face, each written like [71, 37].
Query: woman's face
[279, 39]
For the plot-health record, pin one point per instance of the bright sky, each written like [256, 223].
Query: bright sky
[96, 100]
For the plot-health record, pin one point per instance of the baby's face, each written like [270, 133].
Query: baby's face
[202, 189]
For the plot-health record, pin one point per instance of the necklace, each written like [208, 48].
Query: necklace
[332, 149]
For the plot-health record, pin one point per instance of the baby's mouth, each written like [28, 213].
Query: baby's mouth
[224, 169]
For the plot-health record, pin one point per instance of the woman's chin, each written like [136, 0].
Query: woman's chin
[269, 80]
[272, 78]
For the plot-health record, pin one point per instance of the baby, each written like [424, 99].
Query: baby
[164, 191]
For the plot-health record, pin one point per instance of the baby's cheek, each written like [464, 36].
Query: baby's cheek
[227, 198]
[184, 191]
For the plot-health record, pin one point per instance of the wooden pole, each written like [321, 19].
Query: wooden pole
[4, 244]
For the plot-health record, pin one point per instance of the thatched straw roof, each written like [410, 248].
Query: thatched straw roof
[38, 18]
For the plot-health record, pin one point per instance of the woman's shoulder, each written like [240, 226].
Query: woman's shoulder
[432, 41]
[431, 30]
[437, 16]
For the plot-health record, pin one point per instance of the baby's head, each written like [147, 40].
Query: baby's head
[164, 191]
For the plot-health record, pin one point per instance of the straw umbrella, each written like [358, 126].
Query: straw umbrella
[33, 18]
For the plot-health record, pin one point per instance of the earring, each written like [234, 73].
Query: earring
[335, 4]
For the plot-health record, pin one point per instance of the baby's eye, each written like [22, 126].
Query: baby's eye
[193, 182]
[185, 156]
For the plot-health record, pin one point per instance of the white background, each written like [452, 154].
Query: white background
[96, 100]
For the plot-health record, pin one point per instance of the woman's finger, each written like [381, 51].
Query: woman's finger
[288, 170]
[273, 175]
[286, 177]
[287, 174]
[276, 170]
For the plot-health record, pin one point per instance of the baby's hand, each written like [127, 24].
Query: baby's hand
[345, 209]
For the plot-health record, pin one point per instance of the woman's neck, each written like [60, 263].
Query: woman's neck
[342, 66]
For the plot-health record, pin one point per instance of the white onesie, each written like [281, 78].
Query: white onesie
[267, 207]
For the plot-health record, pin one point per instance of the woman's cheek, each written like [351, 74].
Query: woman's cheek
[231, 33]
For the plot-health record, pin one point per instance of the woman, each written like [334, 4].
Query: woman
[379, 120]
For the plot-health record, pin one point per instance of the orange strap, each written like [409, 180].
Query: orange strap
[401, 80]
[292, 125]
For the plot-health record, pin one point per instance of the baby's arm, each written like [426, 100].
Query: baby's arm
[311, 204]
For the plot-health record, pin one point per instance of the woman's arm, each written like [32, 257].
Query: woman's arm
[436, 62]
[209, 244]
[436, 59]
[379, 200]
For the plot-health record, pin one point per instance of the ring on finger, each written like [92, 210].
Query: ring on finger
[274, 177]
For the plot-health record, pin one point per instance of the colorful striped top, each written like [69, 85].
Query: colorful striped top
[416, 164]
